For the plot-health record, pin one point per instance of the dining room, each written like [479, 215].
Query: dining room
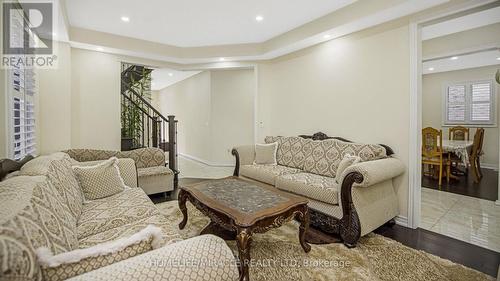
[460, 135]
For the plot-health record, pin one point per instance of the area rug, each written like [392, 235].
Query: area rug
[277, 256]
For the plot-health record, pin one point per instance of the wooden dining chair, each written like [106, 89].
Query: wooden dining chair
[474, 159]
[458, 133]
[432, 151]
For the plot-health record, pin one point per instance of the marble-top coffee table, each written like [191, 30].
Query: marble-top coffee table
[238, 208]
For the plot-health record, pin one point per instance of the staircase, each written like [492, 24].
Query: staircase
[142, 124]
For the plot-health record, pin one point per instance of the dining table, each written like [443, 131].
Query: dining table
[461, 148]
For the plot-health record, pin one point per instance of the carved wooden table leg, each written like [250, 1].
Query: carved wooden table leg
[182, 206]
[243, 241]
[303, 217]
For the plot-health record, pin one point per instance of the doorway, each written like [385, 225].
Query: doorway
[453, 88]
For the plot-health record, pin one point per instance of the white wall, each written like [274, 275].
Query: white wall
[95, 101]
[215, 113]
[356, 87]
[232, 112]
[432, 106]
[189, 101]
[54, 106]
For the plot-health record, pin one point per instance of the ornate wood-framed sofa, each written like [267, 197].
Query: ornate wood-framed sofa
[350, 205]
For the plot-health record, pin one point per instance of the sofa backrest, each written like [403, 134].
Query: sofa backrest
[34, 212]
[143, 157]
[292, 151]
[321, 157]
[84, 154]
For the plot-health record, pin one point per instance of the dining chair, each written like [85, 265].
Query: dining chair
[458, 133]
[477, 151]
[432, 151]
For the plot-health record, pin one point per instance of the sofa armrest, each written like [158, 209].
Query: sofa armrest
[360, 176]
[245, 155]
[191, 259]
[375, 171]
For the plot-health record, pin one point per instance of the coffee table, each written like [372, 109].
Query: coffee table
[238, 208]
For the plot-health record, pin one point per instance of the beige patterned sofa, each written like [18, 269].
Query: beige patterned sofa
[154, 176]
[42, 206]
[352, 204]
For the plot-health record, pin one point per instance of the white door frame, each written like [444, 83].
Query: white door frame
[415, 143]
[414, 166]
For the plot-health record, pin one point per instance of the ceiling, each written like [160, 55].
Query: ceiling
[164, 77]
[224, 33]
[454, 57]
[479, 59]
[194, 23]
[463, 23]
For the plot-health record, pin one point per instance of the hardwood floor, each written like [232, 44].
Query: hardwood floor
[486, 189]
[481, 259]
[162, 197]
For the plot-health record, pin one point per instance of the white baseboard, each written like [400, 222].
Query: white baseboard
[403, 221]
[203, 161]
[489, 166]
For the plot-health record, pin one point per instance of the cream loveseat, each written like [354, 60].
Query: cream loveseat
[154, 177]
[352, 204]
[42, 206]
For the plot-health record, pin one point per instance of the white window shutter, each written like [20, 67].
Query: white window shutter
[481, 103]
[456, 104]
[469, 103]
[22, 91]
[18, 121]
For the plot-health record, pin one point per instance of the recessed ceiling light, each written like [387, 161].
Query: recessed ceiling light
[222, 59]
[454, 58]
[125, 19]
[498, 58]
[431, 68]
[100, 49]
[326, 36]
[170, 74]
[259, 18]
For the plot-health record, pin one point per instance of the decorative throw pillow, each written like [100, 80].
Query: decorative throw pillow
[266, 153]
[101, 180]
[77, 262]
[347, 161]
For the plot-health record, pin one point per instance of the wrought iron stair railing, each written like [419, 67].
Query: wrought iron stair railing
[142, 124]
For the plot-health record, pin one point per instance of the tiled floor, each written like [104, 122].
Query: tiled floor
[193, 169]
[469, 219]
